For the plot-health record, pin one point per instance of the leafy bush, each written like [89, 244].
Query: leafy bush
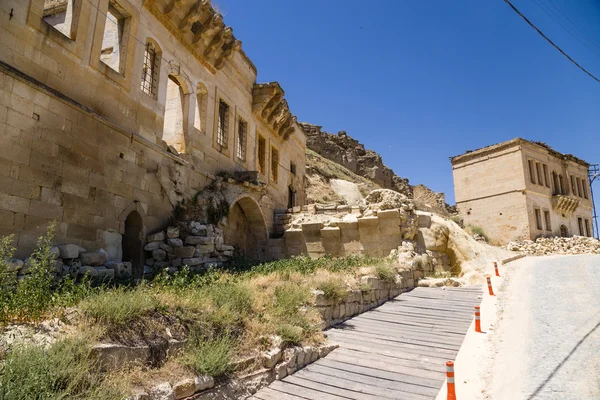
[65, 370]
[386, 273]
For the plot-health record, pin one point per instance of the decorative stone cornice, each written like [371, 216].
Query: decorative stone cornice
[565, 204]
[199, 28]
[269, 105]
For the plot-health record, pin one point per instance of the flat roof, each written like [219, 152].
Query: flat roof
[471, 154]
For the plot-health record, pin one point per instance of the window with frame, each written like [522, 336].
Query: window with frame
[588, 231]
[59, 15]
[585, 188]
[546, 180]
[579, 191]
[573, 187]
[538, 219]
[561, 182]
[113, 40]
[262, 154]
[241, 140]
[538, 168]
[150, 70]
[531, 171]
[556, 189]
[274, 164]
[223, 124]
[580, 223]
[292, 168]
[547, 220]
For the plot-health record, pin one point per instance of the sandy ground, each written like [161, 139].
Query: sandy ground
[541, 336]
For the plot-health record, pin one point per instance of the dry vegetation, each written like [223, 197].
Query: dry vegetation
[320, 170]
[222, 315]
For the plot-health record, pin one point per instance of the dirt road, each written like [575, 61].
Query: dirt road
[546, 344]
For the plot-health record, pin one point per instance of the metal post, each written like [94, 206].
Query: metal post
[593, 173]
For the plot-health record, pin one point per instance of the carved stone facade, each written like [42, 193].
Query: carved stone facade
[114, 107]
[522, 190]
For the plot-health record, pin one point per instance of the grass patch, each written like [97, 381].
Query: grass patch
[477, 230]
[386, 273]
[333, 289]
[211, 357]
[63, 371]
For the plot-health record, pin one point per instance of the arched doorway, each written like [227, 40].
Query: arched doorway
[563, 231]
[132, 243]
[246, 228]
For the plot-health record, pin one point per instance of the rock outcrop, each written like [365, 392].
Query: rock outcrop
[348, 152]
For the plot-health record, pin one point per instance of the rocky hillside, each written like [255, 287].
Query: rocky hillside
[333, 157]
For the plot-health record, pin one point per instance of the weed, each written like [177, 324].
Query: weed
[386, 273]
[211, 357]
[290, 334]
[477, 230]
[289, 298]
[333, 289]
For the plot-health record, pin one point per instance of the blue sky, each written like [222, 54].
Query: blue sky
[419, 81]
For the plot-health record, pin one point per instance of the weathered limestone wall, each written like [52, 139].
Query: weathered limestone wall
[437, 201]
[82, 144]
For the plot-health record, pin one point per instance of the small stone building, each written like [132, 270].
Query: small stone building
[114, 112]
[521, 189]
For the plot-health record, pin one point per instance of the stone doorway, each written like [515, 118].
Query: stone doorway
[563, 231]
[246, 228]
[132, 243]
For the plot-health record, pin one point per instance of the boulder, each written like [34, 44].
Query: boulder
[172, 232]
[184, 388]
[156, 237]
[175, 242]
[14, 265]
[55, 252]
[387, 199]
[93, 258]
[159, 254]
[152, 246]
[68, 251]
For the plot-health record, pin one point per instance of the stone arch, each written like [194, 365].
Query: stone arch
[564, 232]
[246, 228]
[177, 109]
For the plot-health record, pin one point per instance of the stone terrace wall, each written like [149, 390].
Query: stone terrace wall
[375, 235]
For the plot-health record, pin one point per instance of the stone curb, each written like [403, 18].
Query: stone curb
[511, 259]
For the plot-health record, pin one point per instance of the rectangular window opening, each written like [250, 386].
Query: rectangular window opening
[292, 168]
[531, 171]
[588, 231]
[113, 40]
[150, 70]
[538, 168]
[547, 220]
[573, 187]
[59, 15]
[546, 180]
[274, 164]
[538, 219]
[223, 124]
[262, 152]
[241, 142]
[584, 188]
[580, 223]
[579, 191]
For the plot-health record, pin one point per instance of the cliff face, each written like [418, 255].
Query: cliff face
[348, 152]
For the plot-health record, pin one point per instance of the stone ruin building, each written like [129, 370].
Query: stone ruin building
[521, 189]
[116, 113]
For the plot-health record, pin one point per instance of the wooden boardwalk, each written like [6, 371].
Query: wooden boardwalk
[396, 351]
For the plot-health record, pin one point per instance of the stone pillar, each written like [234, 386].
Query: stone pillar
[330, 238]
[350, 239]
[294, 242]
[312, 237]
[368, 228]
[389, 229]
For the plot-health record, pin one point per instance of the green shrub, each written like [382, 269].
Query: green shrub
[211, 357]
[477, 230]
[120, 306]
[289, 298]
[386, 273]
[290, 334]
[64, 371]
[333, 289]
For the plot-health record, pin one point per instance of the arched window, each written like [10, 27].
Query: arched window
[563, 231]
[151, 68]
[174, 131]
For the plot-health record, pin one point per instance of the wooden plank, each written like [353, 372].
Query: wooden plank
[424, 333]
[400, 341]
[271, 394]
[386, 383]
[325, 388]
[390, 375]
[433, 363]
[380, 320]
[402, 353]
[383, 365]
[370, 388]
[304, 392]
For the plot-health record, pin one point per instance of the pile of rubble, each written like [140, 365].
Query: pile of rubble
[199, 246]
[557, 245]
[73, 260]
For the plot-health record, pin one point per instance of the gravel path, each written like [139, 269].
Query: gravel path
[548, 339]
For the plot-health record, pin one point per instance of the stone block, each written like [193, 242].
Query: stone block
[159, 254]
[173, 232]
[203, 382]
[312, 227]
[393, 215]
[156, 237]
[163, 391]
[184, 252]
[177, 262]
[190, 262]
[166, 248]
[152, 246]
[205, 248]
[424, 221]
[93, 258]
[199, 240]
[175, 242]
[184, 388]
